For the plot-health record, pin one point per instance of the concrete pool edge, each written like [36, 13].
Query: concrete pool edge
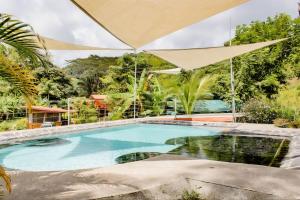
[291, 160]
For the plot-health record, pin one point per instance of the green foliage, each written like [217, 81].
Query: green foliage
[155, 98]
[288, 101]
[85, 111]
[21, 37]
[9, 106]
[262, 72]
[19, 77]
[278, 27]
[259, 111]
[54, 83]
[88, 72]
[19, 48]
[120, 75]
[190, 92]
[288, 106]
[123, 102]
[191, 195]
[10, 125]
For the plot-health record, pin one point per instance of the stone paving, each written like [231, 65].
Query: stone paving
[161, 179]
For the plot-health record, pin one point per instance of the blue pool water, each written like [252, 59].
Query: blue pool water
[95, 148]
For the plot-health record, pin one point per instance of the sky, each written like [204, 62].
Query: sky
[60, 19]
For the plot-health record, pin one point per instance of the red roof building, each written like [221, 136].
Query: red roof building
[99, 101]
[40, 115]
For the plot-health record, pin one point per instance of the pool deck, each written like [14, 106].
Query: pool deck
[162, 178]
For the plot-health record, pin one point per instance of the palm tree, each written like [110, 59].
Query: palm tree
[20, 37]
[190, 92]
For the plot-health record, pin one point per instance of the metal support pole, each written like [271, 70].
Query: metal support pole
[69, 120]
[175, 107]
[135, 86]
[232, 90]
[232, 81]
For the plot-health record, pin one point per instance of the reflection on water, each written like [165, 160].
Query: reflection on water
[227, 148]
[135, 157]
[239, 149]
[45, 142]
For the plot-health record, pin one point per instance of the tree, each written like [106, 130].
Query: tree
[48, 88]
[63, 87]
[265, 71]
[88, 72]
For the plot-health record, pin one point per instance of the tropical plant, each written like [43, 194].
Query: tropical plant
[6, 179]
[122, 102]
[20, 37]
[190, 92]
[19, 77]
[155, 99]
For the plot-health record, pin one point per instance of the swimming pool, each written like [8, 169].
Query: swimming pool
[94, 148]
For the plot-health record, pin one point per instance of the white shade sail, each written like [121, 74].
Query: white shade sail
[200, 57]
[52, 44]
[138, 22]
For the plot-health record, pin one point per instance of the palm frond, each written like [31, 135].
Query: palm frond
[20, 78]
[23, 39]
[6, 179]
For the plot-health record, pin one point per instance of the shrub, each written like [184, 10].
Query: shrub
[192, 195]
[259, 111]
[295, 124]
[86, 114]
[282, 123]
[18, 124]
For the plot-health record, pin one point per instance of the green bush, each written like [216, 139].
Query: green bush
[86, 114]
[191, 195]
[10, 125]
[259, 111]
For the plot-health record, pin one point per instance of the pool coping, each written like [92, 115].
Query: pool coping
[291, 160]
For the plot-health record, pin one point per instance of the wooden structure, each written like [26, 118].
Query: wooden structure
[40, 115]
[100, 104]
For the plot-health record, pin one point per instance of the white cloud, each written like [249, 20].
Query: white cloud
[60, 19]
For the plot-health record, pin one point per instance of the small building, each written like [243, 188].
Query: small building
[100, 103]
[40, 115]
